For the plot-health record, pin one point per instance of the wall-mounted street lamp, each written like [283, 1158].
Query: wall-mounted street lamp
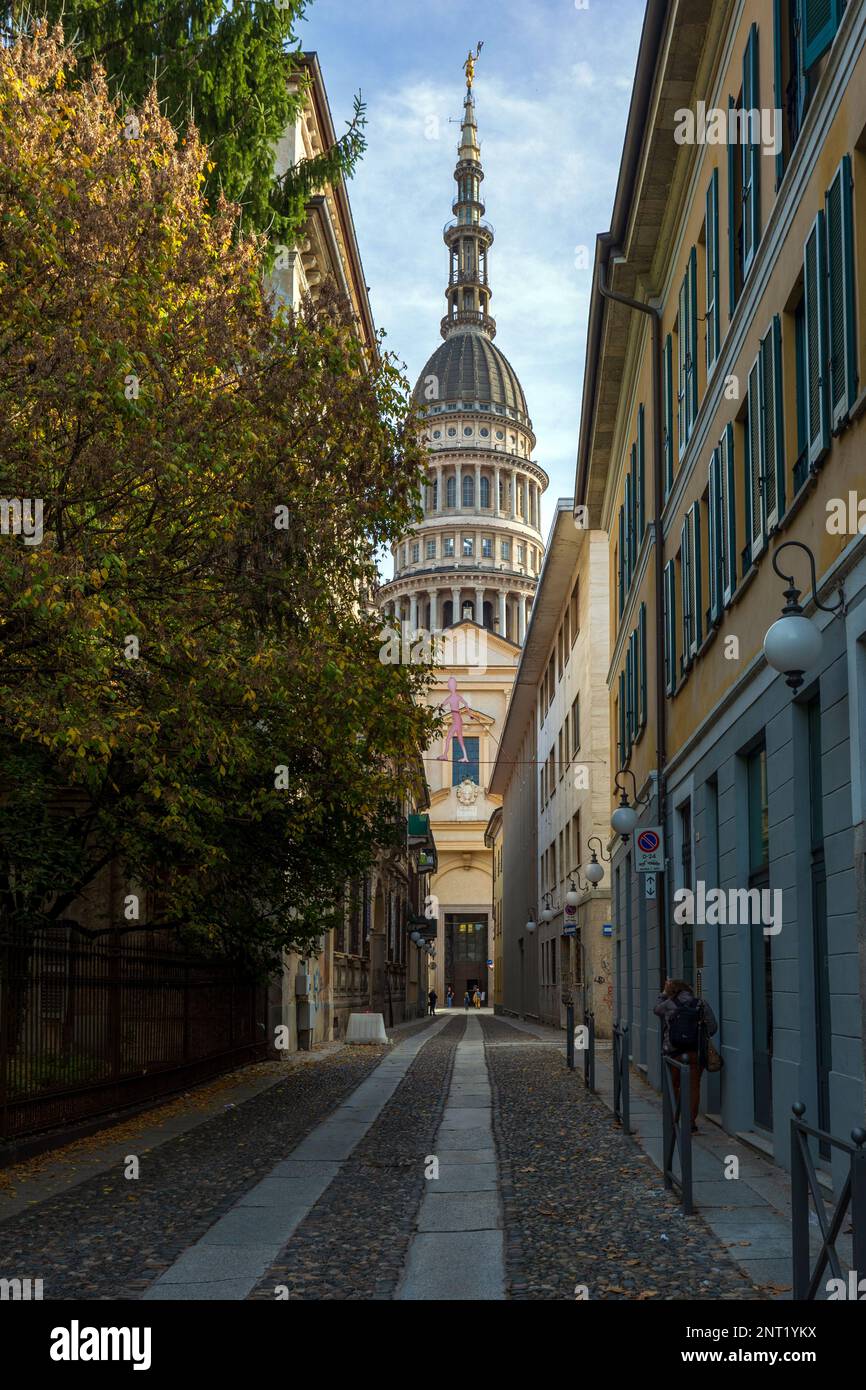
[624, 818]
[793, 644]
[594, 870]
[546, 914]
[530, 921]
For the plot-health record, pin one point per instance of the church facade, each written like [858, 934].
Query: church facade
[469, 571]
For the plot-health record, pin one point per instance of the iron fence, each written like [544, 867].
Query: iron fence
[677, 1129]
[589, 1052]
[621, 1076]
[806, 1279]
[90, 1024]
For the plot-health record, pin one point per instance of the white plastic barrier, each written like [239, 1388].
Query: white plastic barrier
[366, 1028]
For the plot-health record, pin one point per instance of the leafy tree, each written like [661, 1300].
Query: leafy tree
[190, 682]
[229, 70]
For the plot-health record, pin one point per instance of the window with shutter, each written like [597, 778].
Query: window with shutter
[633, 523]
[815, 295]
[686, 593]
[697, 627]
[714, 538]
[734, 215]
[712, 271]
[750, 136]
[621, 563]
[641, 474]
[682, 353]
[668, 406]
[635, 682]
[692, 360]
[821, 19]
[754, 508]
[841, 334]
[629, 532]
[729, 516]
[670, 628]
[622, 752]
[642, 712]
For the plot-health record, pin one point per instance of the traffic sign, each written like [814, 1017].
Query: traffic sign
[649, 885]
[649, 850]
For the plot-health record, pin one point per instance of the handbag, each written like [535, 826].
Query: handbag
[715, 1060]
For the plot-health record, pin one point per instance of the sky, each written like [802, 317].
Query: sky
[552, 90]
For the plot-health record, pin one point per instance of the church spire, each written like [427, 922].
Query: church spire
[467, 237]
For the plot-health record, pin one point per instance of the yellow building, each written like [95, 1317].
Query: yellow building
[723, 418]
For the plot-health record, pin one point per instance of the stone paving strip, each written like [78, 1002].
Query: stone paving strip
[354, 1242]
[585, 1213]
[457, 1251]
[232, 1257]
[108, 1237]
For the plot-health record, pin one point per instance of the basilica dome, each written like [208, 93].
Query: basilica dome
[469, 369]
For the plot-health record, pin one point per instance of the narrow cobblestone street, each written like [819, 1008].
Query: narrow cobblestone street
[324, 1188]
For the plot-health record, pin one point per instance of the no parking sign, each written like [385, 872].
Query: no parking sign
[649, 850]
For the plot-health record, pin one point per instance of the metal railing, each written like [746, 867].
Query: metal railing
[806, 1280]
[621, 1076]
[677, 1129]
[90, 1024]
[589, 1052]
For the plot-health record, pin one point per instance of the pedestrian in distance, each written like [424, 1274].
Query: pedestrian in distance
[431, 1000]
[466, 1000]
[449, 996]
[476, 999]
[688, 1023]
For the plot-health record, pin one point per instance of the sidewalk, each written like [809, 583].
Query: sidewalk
[750, 1215]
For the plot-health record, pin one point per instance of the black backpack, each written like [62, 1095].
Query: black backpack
[684, 1029]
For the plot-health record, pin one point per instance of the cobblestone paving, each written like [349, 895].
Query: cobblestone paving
[354, 1242]
[582, 1205]
[110, 1237]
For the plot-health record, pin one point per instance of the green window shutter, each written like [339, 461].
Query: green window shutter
[778, 463]
[841, 329]
[629, 695]
[642, 663]
[732, 220]
[670, 619]
[754, 507]
[641, 474]
[712, 271]
[629, 538]
[635, 678]
[682, 352]
[715, 537]
[815, 295]
[820, 21]
[686, 593]
[622, 752]
[729, 516]
[779, 100]
[668, 391]
[633, 534]
[769, 433]
[692, 363]
[697, 579]
[621, 563]
[751, 152]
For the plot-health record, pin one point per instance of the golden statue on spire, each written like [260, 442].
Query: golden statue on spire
[469, 65]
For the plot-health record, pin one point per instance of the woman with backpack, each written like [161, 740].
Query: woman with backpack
[687, 1025]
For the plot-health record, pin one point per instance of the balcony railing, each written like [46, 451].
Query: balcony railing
[486, 228]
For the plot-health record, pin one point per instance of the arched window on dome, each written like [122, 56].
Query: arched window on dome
[451, 492]
[484, 499]
[469, 491]
[432, 501]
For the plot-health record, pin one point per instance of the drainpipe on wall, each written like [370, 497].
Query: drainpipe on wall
[658, 508]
